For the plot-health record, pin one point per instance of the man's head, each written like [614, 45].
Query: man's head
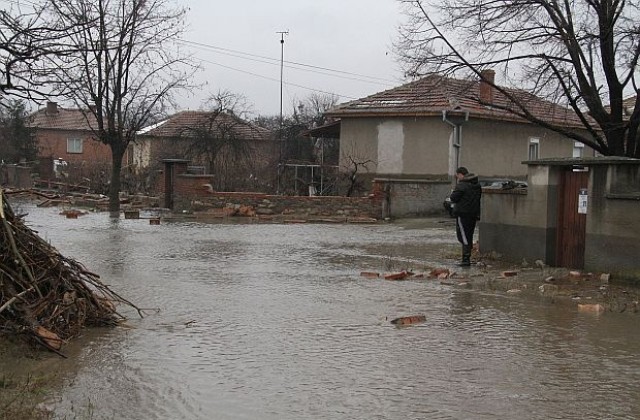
[461, 172]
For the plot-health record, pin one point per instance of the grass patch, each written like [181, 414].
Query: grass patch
[20, 397]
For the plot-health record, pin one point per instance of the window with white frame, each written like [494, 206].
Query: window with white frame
[534, 148]
[578, 150]
[74, 145]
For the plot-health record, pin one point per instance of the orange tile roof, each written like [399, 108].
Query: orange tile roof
[178, 124]
[63, 119]
[433, 94]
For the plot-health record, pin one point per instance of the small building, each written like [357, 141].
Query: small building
[414, 136]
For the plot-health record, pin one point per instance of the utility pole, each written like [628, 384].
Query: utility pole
[280, 164]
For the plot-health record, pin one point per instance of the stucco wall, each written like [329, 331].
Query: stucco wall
[423, 146]
[497, 149]
[525, 225]
[613, 231]
[396, 146]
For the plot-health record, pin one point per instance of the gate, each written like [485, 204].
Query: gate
[572, 223]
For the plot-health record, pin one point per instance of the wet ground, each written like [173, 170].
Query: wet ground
[275, 321]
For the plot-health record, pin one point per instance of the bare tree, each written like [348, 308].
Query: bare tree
[28, 35]
[582, 54]
[310, 111]
[297, 153]
[17, 139]
[124, 70]
[356, 164]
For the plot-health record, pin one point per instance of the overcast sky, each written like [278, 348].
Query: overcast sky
[336, 46]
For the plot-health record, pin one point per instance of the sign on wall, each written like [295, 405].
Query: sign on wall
[582, 201]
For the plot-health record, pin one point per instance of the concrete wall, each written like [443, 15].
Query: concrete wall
[613, 228]
[523, 224]
[413, 197]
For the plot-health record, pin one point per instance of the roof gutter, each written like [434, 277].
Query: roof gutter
[458, 121]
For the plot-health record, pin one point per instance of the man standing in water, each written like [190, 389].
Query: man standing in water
[466, 201]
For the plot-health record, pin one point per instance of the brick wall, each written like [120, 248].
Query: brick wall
[53, 143]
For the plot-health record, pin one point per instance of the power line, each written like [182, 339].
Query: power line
[276, 80]
[291, 64]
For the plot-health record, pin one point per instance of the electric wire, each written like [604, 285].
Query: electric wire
[291, 64]
[276, 80]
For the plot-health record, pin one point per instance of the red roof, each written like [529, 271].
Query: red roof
[433, 94]
[57, 118]
[183, 123]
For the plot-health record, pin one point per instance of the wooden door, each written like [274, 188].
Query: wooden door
[572, 224]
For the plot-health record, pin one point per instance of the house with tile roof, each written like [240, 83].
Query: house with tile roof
[205, 138]
[423, 130]
[66, 134]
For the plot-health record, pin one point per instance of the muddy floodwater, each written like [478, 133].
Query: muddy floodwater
[274, 321]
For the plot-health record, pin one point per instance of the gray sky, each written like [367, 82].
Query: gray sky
[239, 49]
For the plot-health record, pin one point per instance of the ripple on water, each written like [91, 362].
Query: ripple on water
[274, 322]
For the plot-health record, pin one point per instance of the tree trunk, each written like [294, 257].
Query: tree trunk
[114, 187]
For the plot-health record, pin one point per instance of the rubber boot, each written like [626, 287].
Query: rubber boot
[466, 256]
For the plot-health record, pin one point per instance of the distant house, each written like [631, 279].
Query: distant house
[66, 135]
[423, 130]
[240, 154]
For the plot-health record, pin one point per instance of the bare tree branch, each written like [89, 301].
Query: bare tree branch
[578, 54]
[125, 68]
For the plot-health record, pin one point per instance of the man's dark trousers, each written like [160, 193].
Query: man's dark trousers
[465, 226]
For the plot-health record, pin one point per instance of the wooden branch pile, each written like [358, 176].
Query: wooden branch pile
[45, 295]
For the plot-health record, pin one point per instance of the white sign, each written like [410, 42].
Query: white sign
[583, 199]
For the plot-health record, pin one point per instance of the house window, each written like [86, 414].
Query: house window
[74, 145]
[534, 148]
[578, 150]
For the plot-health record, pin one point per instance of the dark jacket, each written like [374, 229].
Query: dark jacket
[466, 196]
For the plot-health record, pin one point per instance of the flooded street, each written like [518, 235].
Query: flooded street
[274, 321]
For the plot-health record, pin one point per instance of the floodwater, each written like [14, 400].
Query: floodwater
[274, 321]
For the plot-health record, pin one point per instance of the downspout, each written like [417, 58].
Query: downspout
[457, 133]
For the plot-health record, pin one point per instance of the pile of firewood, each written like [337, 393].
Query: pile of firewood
[45, 296]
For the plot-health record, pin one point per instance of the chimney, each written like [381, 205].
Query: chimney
[486, 90]
[52, 108]
[93, 108]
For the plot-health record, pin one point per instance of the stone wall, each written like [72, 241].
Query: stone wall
[277, 205]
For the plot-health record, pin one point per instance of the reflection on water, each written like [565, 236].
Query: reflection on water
[274, 322]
